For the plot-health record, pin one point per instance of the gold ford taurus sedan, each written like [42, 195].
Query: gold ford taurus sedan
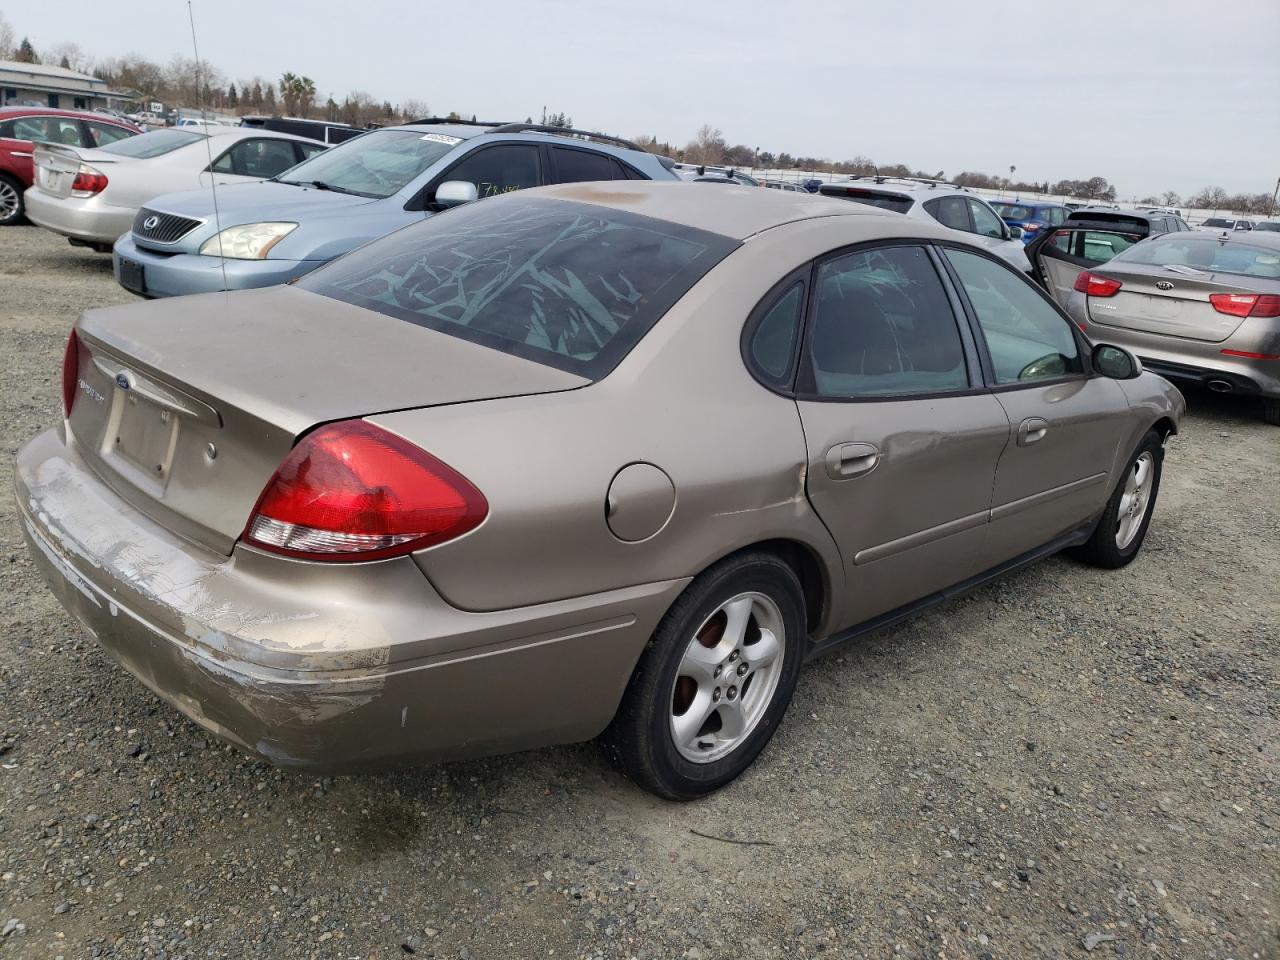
[596, 460]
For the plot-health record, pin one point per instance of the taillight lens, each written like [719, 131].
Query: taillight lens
[88, 181]
[70, 372]
[1032, 227]
[1246, 304]
[353, 491]
[1096, 286]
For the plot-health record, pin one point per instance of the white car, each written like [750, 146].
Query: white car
[934, 200]
[92, 196]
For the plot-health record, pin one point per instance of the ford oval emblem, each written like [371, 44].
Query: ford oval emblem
[1163, 285]
[122, 381]
[150, 223]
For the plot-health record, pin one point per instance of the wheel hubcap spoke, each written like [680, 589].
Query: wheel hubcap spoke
[1134, 501]
[764, 651]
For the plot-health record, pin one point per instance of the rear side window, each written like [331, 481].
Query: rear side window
[883, 326]
[574, 286]
[951, 212]
[876, 198]
[576, 166]
[774, 338]
[1027, 339]
[1014, 211]
[260, 158]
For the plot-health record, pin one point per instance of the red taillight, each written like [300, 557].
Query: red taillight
[1249, 355]
[1032, 227]
[353, 491]
[1096, 286]
[1246, 304]
[88, 181]
[70, 372]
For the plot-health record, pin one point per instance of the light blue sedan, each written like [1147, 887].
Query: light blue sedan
[261, 234]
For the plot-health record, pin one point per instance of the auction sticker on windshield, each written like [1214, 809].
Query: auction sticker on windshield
[441, 138]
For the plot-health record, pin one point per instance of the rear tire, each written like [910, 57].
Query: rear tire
[1271, 411]
[1122, 529]
[715, 679]
[12, 208]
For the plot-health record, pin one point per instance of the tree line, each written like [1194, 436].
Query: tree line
[183, 82]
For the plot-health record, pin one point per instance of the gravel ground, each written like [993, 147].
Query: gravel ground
[1071, 761]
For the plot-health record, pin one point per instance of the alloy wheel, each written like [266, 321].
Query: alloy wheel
[8, 201]
[1134, 499]
[727, 677]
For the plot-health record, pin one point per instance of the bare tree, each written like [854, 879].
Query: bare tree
[70, 56]
[7, 39]
[707, 147]
[413, 109]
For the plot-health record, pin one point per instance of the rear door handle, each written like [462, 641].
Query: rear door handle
[846, 460]
[1031, 430]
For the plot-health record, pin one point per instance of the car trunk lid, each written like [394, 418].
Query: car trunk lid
[57, 165]
[1169, 300]
[186, 407]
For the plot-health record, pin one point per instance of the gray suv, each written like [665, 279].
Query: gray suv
[277, 230]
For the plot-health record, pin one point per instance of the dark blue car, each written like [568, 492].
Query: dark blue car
[1031, 215]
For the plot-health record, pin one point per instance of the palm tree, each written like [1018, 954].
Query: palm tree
[306, 90]
[289, 93]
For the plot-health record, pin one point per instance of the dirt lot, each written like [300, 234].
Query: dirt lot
[1070, 761]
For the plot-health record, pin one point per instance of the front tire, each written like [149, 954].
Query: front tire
[11, 204]
[1122, 529]
[714, 681]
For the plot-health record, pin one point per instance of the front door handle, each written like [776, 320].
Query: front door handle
[1031, 430]
[846, 460]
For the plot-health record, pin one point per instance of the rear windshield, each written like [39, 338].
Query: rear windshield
[570, 285]
[377, 164]
[154, 144]
[1140, 224]
[1014, 211]
[876, 198]
[1208, 254]
[1219, 222]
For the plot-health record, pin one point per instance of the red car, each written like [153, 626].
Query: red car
[22, 127]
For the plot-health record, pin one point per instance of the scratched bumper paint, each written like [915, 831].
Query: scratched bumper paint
[332, 667]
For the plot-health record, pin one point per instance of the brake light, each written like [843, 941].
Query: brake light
[1246, 304]
[352, 491]
[1096, 286]
[70, 372]
[88, 181]
[1249, 355]
[1032, 227]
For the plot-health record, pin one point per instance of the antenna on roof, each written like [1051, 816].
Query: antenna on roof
[201, 84]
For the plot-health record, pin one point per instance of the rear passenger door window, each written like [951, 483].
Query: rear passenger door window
[105, 133]
[882, 326]
[257, 158]
[950, 212]
[499, 169]
[1026, 338]
[577, 166]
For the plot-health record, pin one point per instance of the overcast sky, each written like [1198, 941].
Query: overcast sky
[1151, 94]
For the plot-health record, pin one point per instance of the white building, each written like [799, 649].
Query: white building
[39, 84]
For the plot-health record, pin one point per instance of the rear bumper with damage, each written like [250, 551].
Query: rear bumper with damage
[331, 667]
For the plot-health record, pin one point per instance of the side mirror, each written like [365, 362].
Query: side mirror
[454, 193]
[1015, 233]
[1116, 362]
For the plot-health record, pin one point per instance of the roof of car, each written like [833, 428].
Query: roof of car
[731, 210]
[1023, 203]
[1264, 238]
[18, 111]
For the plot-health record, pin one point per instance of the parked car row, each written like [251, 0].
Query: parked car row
[286, 205]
